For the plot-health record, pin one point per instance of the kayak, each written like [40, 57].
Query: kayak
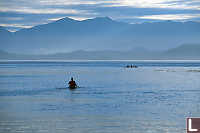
[72, 86]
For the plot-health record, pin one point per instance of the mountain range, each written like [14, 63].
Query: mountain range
[100, 35]
[183, 52]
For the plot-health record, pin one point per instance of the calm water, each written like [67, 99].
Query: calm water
[154, 98]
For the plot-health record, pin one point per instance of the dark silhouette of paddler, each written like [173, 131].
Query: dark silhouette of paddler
[72, 84]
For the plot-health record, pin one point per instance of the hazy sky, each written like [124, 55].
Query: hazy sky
[16, 14]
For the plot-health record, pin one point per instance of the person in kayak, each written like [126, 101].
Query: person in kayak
[72, 84]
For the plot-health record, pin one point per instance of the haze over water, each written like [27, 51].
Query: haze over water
[153, 98]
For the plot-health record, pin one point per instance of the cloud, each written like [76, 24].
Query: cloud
[171, 4]
[16, 25]
[42, 11]
[87, 6]
[27, 12]
[72, 2]
[80, 18]
[170, 16]
[12, 18]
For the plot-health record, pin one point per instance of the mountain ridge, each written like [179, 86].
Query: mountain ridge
[66, 35]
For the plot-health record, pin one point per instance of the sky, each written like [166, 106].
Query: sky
[17, 14]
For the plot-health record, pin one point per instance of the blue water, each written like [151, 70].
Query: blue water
[155, 97]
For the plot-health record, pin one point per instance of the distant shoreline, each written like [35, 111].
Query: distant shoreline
[99, 60]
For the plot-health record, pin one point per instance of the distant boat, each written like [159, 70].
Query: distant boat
[131, 66]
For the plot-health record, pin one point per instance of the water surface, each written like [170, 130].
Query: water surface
[156, 97]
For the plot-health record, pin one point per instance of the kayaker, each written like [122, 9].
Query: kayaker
[72, 84]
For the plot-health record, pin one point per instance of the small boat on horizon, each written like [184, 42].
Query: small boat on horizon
[131, 66]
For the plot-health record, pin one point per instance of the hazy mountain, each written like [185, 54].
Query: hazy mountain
[5, 37]
[185, 51]
[98, 34]
[190, 51]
